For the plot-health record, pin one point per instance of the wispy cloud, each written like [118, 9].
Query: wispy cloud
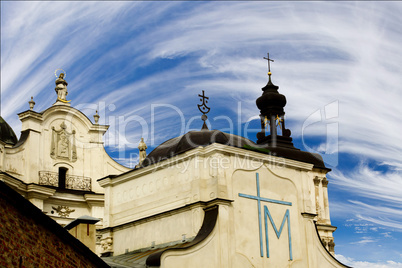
[123, 58]
[367, 182]
[365, 240]
[373, 196]
[365, 264]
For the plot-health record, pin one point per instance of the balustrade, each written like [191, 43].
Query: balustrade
[73, 182]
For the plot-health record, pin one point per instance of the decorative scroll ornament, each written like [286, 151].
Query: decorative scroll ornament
[78, 183]
[48, 178]
[63, 144]
[204, 109]
[107, 244]
[63, 211]
[266, 122]
[278, 121]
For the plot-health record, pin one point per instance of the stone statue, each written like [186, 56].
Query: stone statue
[63, 144]
[63, 147]
[61, 88]
[142, 147]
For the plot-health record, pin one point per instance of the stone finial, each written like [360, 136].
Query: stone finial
[96, 117]
[142, 147]
[31, 103]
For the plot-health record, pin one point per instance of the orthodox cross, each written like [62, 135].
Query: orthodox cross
[269, 65]
[204, 109]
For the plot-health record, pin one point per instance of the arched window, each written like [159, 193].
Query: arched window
[62, 177]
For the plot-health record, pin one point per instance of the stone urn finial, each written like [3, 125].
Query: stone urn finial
[31, 103]
[96, 117]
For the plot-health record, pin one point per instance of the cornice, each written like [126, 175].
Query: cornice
[205, 152]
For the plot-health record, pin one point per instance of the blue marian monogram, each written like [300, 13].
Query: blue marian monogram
[267, 215]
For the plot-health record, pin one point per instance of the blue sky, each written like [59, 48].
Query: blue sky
[142, 65]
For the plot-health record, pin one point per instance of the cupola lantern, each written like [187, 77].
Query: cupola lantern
[271, 104]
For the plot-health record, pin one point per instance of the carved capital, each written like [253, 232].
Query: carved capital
[316, 181]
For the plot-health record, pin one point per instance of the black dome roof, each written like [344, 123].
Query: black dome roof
[191, 140]
[7, 134]
[194, 139]
[271, 101]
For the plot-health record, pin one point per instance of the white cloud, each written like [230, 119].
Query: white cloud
[367, 182]
[223, 50]
[135, 54]
[365, 264]
[396, 225]
[365, 240]
[387, 235]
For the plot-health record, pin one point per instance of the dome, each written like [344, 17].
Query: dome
[7, 134]
[192, 140]
[271, 101]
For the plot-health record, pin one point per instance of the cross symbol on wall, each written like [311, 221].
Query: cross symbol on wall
[267, 213]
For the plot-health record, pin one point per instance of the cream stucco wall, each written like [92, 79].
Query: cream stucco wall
[25, 163]
[157, 204]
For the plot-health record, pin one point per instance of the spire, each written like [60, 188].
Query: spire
[204, 109]
[271, 105]
[270, 85]
[269, 65]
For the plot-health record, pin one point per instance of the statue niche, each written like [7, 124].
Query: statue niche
[63, 144]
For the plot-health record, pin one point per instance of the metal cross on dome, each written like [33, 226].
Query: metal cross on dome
[269, 65]
[204, 109]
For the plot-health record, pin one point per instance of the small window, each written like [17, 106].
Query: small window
[62, 177]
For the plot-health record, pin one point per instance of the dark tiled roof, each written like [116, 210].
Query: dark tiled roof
[194, 139]
[7, 134]
[27, 209]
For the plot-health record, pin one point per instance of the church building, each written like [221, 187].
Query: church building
[58, 159]
[203, 199]
[212, 199]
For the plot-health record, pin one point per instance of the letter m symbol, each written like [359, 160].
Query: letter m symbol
[278, 233]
